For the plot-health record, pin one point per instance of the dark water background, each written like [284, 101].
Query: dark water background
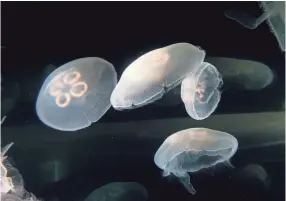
[69, 166]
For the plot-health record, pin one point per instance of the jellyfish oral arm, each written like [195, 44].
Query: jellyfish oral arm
[185, 180]
[165, 173]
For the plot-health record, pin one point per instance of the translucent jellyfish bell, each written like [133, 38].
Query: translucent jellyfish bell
[191, 150]
[76, 94]
[153, 74]
[200, 91]
[119, 191]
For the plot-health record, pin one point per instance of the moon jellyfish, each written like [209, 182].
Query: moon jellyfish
[200, 91]
[251, 182]
[154, 73]
[255, 172]
[119, 191]
[191, 150]
[274, 14]
[11, 180]
[243, 74]
[76, 94]
[10, 92]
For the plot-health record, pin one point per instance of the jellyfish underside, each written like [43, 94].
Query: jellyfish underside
[274, 14]
[194, 161]
[192, 150]
[76, 94]
[153, 74]
[200, 91]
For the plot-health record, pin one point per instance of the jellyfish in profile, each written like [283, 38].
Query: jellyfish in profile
[243, 74]
[274, 14]
[76, 94]
[191, 150]
[154, 73]
[200, 91]
[119, 191]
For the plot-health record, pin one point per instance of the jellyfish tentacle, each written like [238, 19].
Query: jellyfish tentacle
[185, 180]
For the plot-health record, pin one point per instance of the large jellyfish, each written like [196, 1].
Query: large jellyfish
[243, 74]
[191, 150]
[153, 74]
[274, 14]
[200, 91]
[119, 191]
[76, 94]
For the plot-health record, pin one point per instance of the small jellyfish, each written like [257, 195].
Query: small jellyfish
[255, 172]
[251, 182]
[274, 14]
[200, 91]
[10, 92]
[243, 74]
[119, 191]
[154, 73]
[76, 94]
[191, 150]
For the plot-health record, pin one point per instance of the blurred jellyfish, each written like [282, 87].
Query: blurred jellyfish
[191, 150]
[10, 92]
[243, 74]
[255, 172]
[10, 197]
[154, 73]
[274, 14]
[11, 180]
[251, 181]
[13, 197]
[119, 191]
[76, 94]
[12, 183]
[200, 91]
